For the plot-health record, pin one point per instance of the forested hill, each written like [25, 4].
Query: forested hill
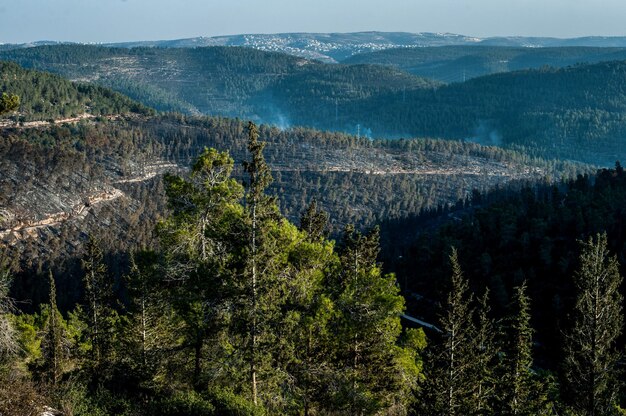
[505, 238]
[574, 112]
[460, 63]
[45, 96]
[227, 81]
[57, 175]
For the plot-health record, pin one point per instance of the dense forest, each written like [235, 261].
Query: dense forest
[191, 265]
[238, 311]
[569, 113]
[227, 81]
[505, 238]
[459, 63]
[60, 165]
[53, 97]
[59, 173]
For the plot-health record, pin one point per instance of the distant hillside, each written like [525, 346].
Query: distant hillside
[336, 47]
[459, 63]
[237, 82]
[574, 112]
[45, 96]
[326, 47]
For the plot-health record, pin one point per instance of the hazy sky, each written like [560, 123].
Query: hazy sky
[120, 20]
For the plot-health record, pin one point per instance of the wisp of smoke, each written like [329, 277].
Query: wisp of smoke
[486, 134]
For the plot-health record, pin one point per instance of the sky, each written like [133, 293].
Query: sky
[133, 20]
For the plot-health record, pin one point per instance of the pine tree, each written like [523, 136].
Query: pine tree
[261, 210]
[8, 103]
[371, 375]
[306, 333]
[517, 382]
[199, 242]
[591, 358]
[481, 377]
[448, 387]
[314, 222]
[99, 298]
[52, 345]
[147, 333]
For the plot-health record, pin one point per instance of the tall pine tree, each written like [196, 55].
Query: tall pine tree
[371, 375]
[53, 345]
[591, 358]
[518, 387]
[314, 222]
[448, 389]
[260, 210]
[481, 375]
[98, 308]
[199, 240]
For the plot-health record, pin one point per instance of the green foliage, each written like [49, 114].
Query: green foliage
[212, 403]
[450, 378]
[460, 63]
[28, 328]
[99, 313]
[591, 375]
[228, 403]
[506, 237]
[370, 377]
[54, 344]
[518, 382]
[185, 404]
[482, 378]
[43, 96]
[230, 81]
[9, 103]
[314, 222]
[573, 112]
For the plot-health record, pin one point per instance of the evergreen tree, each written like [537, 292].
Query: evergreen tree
[199, 242]
[315, 222]
[518, 386]
[371, 375]
[591, 359]
[99, 298]
[481, 378]
[147, 332]
[261, 210]
[8, 103]
[53, 344]
[449, 384]
[305, 335]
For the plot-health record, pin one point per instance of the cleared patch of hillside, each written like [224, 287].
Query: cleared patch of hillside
[65, 181]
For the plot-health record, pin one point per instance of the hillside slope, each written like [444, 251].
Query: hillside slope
[573, 112]
[46, 96]
[460, 63]
[227, 81]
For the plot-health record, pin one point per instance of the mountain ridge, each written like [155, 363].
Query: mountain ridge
[335, 47]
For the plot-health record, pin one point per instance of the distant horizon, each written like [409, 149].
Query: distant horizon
[116, 21]
[309, 33]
